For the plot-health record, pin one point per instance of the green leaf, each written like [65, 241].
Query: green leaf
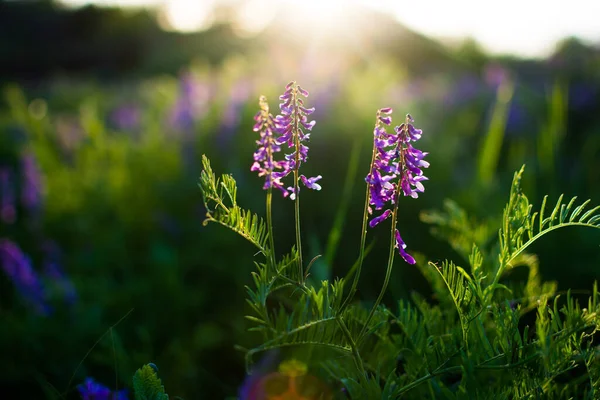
[147, 385]
[519, 229]
[221, 204]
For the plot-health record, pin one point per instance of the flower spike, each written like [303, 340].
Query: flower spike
[396, 168]
[291, 125]
[267, 146]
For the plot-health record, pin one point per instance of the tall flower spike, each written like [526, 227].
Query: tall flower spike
[411, 174]
[17, 266]
[397, 166]
[291, 125]
[383, 167]
[411, 159]
[267, 146]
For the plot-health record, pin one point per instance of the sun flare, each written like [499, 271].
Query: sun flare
[315, 16]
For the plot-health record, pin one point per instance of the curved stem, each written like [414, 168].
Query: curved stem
[353, 346]
[388, 273]
[363, 236]
[272, 259]
[297, 189]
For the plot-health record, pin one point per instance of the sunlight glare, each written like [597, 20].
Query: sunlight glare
[322, 16]
[186, 16]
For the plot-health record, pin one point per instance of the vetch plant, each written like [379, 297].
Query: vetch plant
[474, 342]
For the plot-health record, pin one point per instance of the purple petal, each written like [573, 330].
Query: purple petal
[401, 246]
[309, 125]
[386, 120]
[380, 218]
[311, 182]
[302, 91]
[307, 111]
[386, 110]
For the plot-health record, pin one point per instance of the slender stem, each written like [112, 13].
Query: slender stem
[297, 189]
[388, 273]
[270, 231]
[352, 343]
[363, 234]
[459, 368]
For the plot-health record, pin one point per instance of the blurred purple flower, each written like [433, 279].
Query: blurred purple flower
[92, 390]
[464, 90]
[17, 266]
[192, 103]
[31, 189]
[232, 113]
[54, 271]
[8, 211]
[126, 117]
[413, 90]
[582, 96]
[495, 74]
[324, 98]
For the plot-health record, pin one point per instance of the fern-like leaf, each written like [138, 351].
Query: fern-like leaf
[221, 204]
[147, 385]
[521, 227]
[462, 290]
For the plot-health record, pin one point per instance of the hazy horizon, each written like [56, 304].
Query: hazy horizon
[523, 28]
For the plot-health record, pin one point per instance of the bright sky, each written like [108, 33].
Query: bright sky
[523, 27]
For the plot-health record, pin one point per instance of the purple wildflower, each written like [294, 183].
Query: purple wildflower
[383, 167]
[126, 117]
[400, 245]
[267, 146]
[18, 268]
[411, 159]
[31, 196]
[231, 117]
[192, 103]
[396, 166]
[8, 212]
[92, 390]
[291, 125]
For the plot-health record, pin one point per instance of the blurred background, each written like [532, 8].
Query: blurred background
[106, 108]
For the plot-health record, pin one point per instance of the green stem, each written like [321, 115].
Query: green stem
[363, 236]
[297, 189]
[270, 228]
[388, 272]
[459, 368]
[355, 353]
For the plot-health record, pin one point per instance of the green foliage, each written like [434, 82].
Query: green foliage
[220, 202]
[520, 228]
[147, 385]
[484, 338]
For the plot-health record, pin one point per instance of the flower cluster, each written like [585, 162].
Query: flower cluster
[263, 156]
[411, 159]
[18, 267]
[396, 166]
[8, 212]
[91, 390]
[383, 167]
[290, 126]
[31, 195]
